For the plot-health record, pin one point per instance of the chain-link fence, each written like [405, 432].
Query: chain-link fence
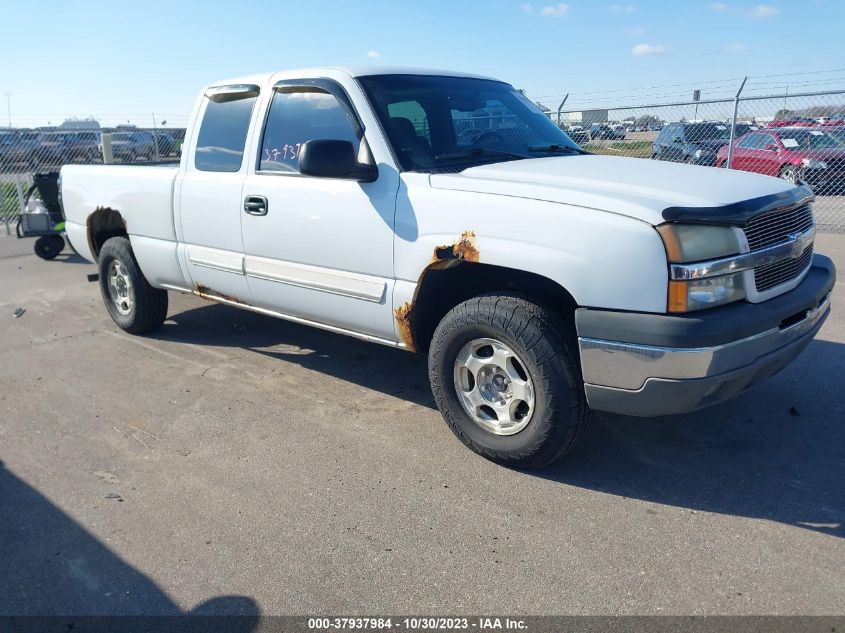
[26, 150]
[797, 136]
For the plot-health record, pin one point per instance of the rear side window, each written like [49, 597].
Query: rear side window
[222, 136]
[299, 114]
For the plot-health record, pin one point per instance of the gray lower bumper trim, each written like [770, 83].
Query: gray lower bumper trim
[723, 373]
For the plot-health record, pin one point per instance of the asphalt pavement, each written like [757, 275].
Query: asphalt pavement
[235, 463]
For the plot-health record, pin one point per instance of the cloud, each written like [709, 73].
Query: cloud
[648, 49]
[635, 31]
[763, 11]
[735, 48]
[528, 7]
[373, 54]
[555, 9]
[718, 7]
[623, 8]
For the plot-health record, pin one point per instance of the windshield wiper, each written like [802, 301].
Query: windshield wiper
[564, 149]
[478, 151]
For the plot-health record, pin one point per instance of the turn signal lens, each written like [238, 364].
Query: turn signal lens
[677, 296]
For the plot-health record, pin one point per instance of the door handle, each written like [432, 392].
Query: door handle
[255, 205]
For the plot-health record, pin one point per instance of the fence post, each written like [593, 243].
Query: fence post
[155, 137]
[105, 143]
[733, 124]
[560, 107]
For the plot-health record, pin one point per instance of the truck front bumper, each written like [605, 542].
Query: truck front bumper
[653, 364]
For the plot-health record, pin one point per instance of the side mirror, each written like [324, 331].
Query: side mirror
[329, 158]
[770, 147]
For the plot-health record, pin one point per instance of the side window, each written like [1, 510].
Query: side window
[678, 133]
[413, 112]
[754, 141]
[298, 115]
[222, 136]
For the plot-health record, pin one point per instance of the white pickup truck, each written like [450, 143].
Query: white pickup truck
[444, 213]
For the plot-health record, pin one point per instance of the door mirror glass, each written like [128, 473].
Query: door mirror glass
[331, 158]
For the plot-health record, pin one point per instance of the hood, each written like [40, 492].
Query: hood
[638, 188]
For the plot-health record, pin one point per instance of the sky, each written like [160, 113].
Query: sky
[125, 60]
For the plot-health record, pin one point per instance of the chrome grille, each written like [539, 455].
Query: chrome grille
[771, 275]
[774, 227]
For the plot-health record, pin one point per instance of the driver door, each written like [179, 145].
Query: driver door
[319, 249]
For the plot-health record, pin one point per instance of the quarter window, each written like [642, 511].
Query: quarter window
[298, 115]
[222, 136]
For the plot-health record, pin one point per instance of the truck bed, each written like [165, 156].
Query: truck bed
[142, 194]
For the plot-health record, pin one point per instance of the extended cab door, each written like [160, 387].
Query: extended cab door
[320, 249]
[209, 197]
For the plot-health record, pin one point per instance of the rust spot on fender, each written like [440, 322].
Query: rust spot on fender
[403, 322]
[207, 293]
[464, 249]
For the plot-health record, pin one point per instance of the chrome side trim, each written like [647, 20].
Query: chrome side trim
[216, 259]
[790, 248]
[339, 282]
[628, 366]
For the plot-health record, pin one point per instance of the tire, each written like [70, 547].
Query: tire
[789, 173]
[133, 304]
[545, 348]
[49, 246]
[689, 160]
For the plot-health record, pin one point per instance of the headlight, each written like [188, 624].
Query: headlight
[686, 243]
[697, 294]
[812, 163]
[697, 153]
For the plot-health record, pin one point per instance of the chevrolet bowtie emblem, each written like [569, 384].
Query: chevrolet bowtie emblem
[799, 243]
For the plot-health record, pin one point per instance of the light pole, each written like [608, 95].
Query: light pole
[9, 107]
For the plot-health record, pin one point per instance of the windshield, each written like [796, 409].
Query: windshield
[436, 122]
[708, 131]
[121, 137]
[810, 139]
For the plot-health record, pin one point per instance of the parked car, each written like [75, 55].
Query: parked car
[578, 134]
[54, 148]
[694, 143]
[83, 146]
[165, 142]
[130, 146]
[793, 121]
[799, 154]
[603, 131]
[17, 149]
[542, 281]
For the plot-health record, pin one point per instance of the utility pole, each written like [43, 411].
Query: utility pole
[9, 107]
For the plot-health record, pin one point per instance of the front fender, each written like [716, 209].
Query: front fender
[602, 259]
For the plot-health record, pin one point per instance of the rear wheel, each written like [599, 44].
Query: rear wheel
[49, 246]
[504, 374]
[131, 301]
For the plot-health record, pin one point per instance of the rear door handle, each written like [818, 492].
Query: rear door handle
[255, 205]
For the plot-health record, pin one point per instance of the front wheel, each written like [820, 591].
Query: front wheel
[131, 301]
[505, 377]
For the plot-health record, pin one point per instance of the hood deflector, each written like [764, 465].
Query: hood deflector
[738, 213]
